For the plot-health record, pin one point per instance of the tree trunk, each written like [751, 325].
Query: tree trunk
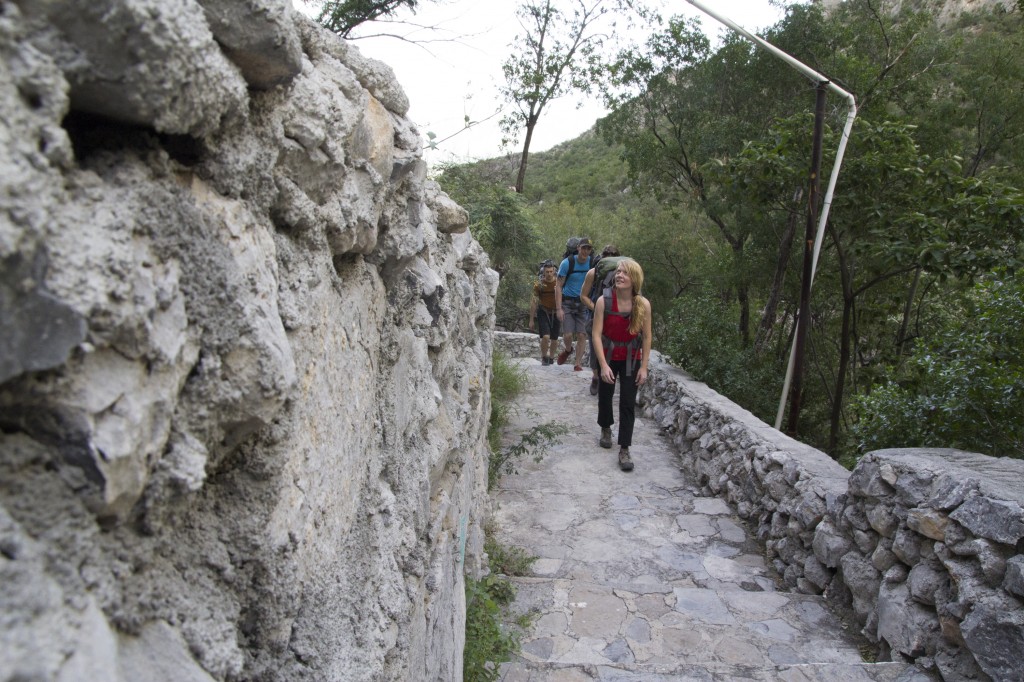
[771, 308]
[531, 123]
[742, 293]
[844, 345]
[908, 305]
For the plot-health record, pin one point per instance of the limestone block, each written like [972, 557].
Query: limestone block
[956, 534]
[259, 36]
[883, 558]
[913, 486]
[863, 580]
[830, 545]
[451, 218]
[907, 546]
[816, 572]
[925, 580]
[883, 519]
[908, 627]
[172, 76]
[999, 520]
[792, 575]
[897, 573]
[950, 491]
[866, 541]
[775, 484]
[965, 576]
[990, 555]
[810, 510]
[866, 479]
[853, 517]
[928, 522]
[1013, 582]
[995, 634]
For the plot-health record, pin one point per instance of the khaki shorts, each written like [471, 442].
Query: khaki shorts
[574, 317]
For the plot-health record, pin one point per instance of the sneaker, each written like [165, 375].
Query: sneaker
[606, 438]
[577, 368]
[546, 361]
[593, 386]
[625, 462]
[563, 356]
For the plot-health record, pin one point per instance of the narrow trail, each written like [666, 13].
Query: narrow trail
[641, 578]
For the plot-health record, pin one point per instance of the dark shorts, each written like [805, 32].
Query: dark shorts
[547, 324]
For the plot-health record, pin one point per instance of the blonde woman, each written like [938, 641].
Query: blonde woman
[622, 343]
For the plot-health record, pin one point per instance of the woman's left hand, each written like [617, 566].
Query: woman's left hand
[641, 377]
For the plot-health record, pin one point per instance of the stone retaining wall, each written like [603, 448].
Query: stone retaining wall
[925, 545]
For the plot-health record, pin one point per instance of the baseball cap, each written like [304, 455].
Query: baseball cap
[584, 242]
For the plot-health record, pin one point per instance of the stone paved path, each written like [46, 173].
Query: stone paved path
[640, 578]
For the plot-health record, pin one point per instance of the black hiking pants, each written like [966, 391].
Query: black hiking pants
[627, 401]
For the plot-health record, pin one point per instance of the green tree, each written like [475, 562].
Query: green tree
[341, 16]
[555, 55]
[981, 106]
[499, 220]
[964, 389]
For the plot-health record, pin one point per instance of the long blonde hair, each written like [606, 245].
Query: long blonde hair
[636, 275]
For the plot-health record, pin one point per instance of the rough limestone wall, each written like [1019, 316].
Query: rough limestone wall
[245, 356]
[925, 547]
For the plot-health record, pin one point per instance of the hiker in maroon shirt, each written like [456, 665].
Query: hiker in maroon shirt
[622, 342]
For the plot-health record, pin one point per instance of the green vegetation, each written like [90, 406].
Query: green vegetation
[342, 16]
[508, 560]
[965, 388]
[492, 632]
[507, 381]
[488, 642]
[700, 172]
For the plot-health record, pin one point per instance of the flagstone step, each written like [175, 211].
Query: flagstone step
[523, 671]
[581, 622]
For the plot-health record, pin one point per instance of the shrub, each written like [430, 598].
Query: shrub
[964, 390]
[488, 642]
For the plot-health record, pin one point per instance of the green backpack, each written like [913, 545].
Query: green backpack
[604, 275]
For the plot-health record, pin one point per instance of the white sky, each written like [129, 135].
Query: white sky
[454, 70]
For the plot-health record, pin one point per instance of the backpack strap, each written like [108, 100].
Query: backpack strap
[610, 345]
[572, 265]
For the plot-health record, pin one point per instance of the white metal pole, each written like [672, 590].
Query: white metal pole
[840, 152]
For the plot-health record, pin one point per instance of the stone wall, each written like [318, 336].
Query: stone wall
[924, 547]
[245, 356]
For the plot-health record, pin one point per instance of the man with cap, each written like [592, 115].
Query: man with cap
[572, 314]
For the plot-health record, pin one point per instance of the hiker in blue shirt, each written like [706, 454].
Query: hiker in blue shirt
[571, 312]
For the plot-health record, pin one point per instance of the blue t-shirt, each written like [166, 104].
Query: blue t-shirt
[574, 283]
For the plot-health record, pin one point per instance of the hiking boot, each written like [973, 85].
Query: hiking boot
[606, 438]
[594, 383]
[563, 356]
[578, 368]
[625, 462]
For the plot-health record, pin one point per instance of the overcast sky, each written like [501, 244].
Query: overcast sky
[449, 64]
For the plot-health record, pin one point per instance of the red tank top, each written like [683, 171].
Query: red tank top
[616, 328]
